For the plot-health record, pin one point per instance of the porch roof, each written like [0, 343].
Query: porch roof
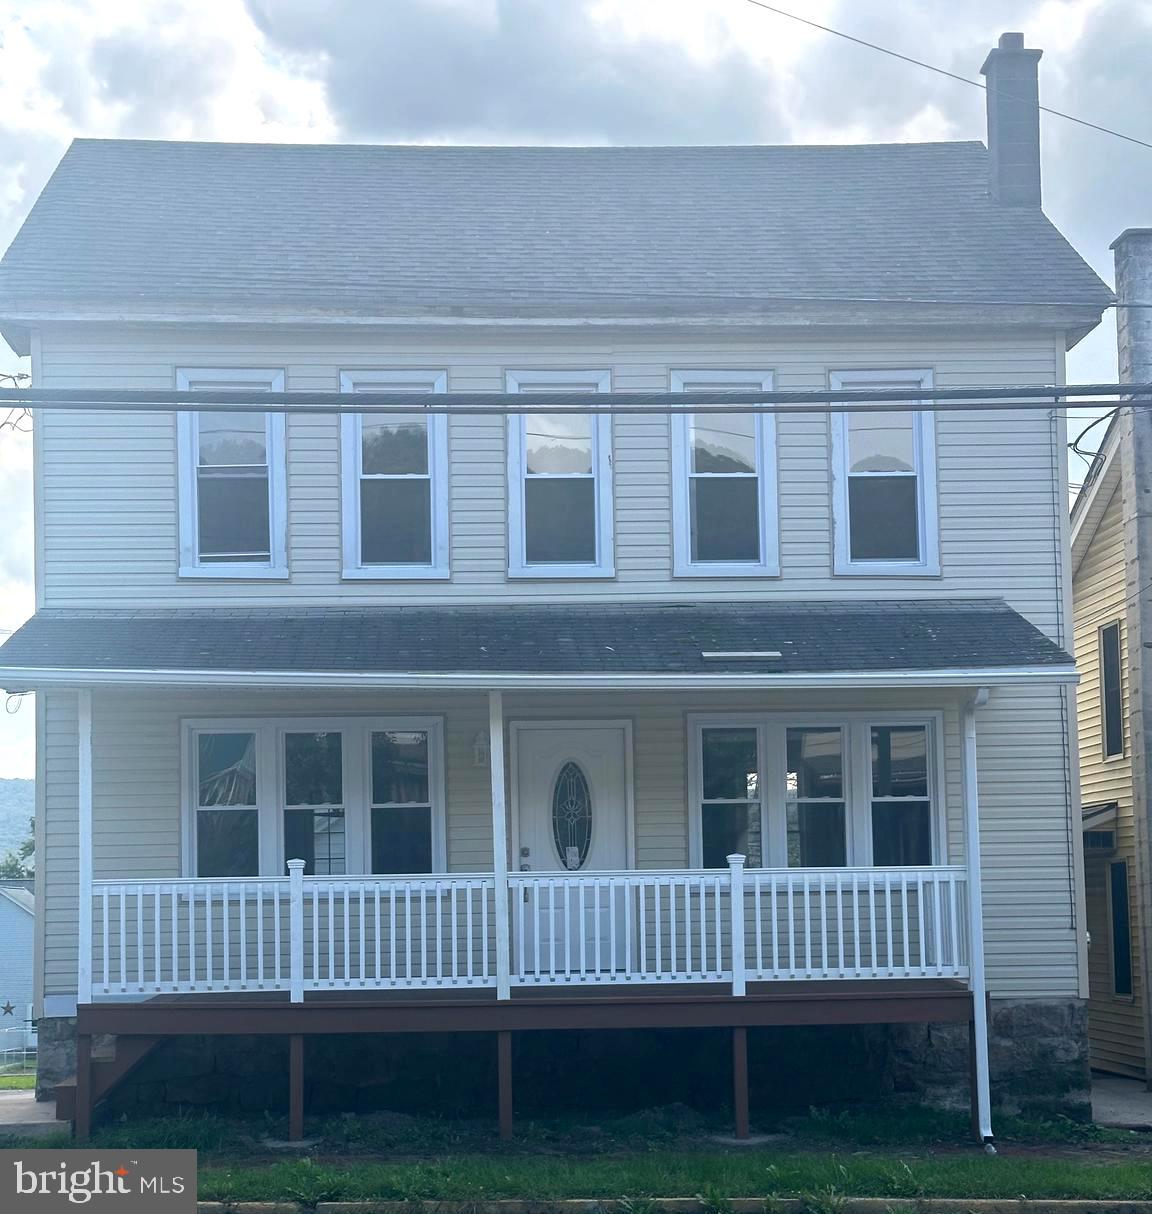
[900, 642]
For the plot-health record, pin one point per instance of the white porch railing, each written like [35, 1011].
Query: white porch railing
[298, 934]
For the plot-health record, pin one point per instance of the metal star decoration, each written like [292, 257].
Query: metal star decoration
[7, 1009]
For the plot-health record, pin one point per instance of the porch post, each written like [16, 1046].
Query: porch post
[736, 900]
[976, 981]
[296, 930]
[84, 845]
[499, 844]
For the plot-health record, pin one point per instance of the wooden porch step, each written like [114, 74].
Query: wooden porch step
[107, 1074]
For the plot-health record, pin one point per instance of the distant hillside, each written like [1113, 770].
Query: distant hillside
[17, 808]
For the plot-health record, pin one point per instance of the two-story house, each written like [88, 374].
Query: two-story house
[502, 723]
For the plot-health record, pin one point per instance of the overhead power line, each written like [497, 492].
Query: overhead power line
[940, 71]
[696, 400]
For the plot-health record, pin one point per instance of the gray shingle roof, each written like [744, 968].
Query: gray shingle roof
[376, 229]
[914, 635]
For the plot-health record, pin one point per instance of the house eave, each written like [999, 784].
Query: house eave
[18, 679]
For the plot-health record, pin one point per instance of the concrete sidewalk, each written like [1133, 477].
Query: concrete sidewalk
[21, 1113]
[1121, 1103]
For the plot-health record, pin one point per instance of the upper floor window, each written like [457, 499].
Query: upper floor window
[1111, 691]
[819, 794]
[724, 483]
[394, 482]
[559, 482]
[884, 482]
[233, 493]
[345, 795]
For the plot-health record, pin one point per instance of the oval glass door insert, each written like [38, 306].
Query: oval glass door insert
[572, 816]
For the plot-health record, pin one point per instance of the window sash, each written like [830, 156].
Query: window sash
[1120, 928]
[603, 562]
[271, 559]
[686, 561]
[774, 800]
[927, 560]
[1111, 692]
[353, 477]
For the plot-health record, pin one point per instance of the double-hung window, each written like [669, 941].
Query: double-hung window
[394, 482]
[344, 794]
[884, 481]
[787, 793]
[724, 483]
[233, 481]
[559, 482]
[1111, 691]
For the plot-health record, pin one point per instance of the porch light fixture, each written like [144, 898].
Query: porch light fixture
[481, 750]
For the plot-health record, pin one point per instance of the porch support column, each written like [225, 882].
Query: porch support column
[84, 845]
[504, 1081]
[82, 1126]
[740, 1080]
[976, 982]
[296, 1088]
[499, 845]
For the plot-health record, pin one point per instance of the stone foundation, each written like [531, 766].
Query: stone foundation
[1039, 1064]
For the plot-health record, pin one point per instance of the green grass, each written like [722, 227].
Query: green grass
[659, 1174]
[17, 1083]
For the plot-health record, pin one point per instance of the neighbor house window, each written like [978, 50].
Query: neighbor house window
[1121, 926]
[394, 482]
[901, 802]
[233, 497]
[785, 794]
[884, 481]
[724, 483]
[343, 794]
[1111, 691]
[559, 482]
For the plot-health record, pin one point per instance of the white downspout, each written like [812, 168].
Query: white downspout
[499, 844]
[976, 981]
[84, 844]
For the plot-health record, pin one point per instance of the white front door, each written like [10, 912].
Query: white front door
[571, 784]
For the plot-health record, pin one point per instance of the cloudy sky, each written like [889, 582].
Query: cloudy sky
[552, 71]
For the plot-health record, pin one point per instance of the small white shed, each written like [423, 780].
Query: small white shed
[17, 919]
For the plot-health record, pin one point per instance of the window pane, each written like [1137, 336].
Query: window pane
[881, 442]
[396, 522]
[315, 836]
[729, 763]
[395, 443]
[399, 768]
[226, 768]
[725, 518]
[724, 442]
[558, 442]
[313, 771]
[227, 843]
[815, 766]
[233, 523]
[901, 833]
[731, 830]
[402, 840]
[560, 521]
[883, 523]
[1111, 696]
[816, 836]
[900, 761]
[1121, 928]
[232, 438]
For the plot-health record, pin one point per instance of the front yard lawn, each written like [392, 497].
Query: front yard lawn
[17, 1083]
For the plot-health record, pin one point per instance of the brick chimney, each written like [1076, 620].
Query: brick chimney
[1013, 95]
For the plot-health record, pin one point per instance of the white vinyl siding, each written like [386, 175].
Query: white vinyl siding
[109, 496]
[424, 482]
[138, 794]
[262, 555]
[566, 500]
[907, 479]
[753, 470]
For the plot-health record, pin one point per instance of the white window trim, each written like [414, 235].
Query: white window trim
[924, 437]
[682, 564]
[772, 739]
[190, 565]
[357, 760]
[350, 456]
[605, 566]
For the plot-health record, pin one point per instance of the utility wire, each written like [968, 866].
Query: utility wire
[931, 67]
